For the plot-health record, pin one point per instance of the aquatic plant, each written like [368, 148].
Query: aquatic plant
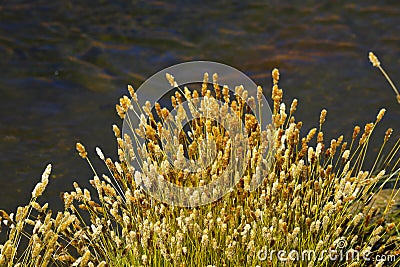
[315, 196]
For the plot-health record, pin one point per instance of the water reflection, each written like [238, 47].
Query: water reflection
[64, 65]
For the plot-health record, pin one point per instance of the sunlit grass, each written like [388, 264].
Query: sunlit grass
[312, 198]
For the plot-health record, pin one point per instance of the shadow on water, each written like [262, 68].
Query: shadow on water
[64, 64]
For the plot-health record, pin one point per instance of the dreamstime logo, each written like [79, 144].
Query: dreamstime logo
[152, 174]
[339, 253]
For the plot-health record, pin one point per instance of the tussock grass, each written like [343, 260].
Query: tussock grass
[316, 198]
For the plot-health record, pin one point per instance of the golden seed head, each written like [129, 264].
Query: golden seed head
[367, 131]
[132, 93]
[165, 113]
[38, 190]
[311, 134]
[293, 106]
[340, 139]
[116, 131]
[398, 98]
[388, 134]
[178, 97]
[157, 106]
[356, 131]
[259, 93]
[391, 226]
[41, 186]
[81, 150]
[380, 115]
[245, 94]
[46, 174]
[216, 86]
[374, 60]
[125, 103]
[346, 154]
[215, 78]
[275, 75]
[204, 84]
[131, 90]
[37, 247]
[322, 117]
[225, 91]
[320, 137]
[120, 111]
[171, 79]
[195, 94]
[343, 148]
[252, 103]
[147, 108]
[173, 101]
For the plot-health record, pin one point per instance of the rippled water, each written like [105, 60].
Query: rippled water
[64, 65]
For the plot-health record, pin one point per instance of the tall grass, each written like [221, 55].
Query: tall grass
[317, 198]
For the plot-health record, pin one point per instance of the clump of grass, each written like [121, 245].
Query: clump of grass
[313, 197]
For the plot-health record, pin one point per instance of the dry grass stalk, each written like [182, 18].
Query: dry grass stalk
[376, 63]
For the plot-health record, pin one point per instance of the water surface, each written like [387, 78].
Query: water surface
[64, 64]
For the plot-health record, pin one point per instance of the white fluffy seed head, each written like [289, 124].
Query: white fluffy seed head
[100, 153]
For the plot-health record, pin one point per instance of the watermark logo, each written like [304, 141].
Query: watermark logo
[213, 112]
[339, 253]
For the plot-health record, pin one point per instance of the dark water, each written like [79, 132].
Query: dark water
[64, 64]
